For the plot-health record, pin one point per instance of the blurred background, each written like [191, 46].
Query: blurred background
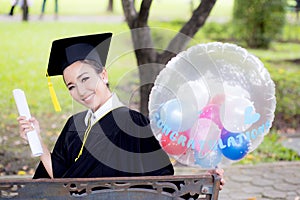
[25, 43]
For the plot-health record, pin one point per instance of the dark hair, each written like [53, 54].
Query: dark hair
[97, 67]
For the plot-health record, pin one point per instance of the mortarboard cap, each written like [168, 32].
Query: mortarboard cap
[66, 51]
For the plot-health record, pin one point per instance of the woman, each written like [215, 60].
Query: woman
[107, 140]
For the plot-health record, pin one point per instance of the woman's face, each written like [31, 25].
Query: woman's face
[86, 86]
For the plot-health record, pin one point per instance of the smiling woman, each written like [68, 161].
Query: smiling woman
[108, 139]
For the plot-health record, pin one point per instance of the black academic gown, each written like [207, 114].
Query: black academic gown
[119, 144]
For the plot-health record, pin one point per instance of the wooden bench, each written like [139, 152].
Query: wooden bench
[131, 188]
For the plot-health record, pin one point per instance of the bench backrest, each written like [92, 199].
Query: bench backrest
[131, 188]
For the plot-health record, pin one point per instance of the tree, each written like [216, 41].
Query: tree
[150, 61]
[258, 22]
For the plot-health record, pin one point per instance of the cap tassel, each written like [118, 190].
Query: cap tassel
[53, 95]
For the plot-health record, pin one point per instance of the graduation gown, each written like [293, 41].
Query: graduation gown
[120, 144]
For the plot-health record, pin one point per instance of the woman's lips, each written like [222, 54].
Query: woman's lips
[88, 98]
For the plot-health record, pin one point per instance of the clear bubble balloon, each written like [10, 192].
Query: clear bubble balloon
[217, 82]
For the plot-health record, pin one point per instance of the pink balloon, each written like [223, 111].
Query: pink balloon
[205, 134]
[218, 99]
[212, 112]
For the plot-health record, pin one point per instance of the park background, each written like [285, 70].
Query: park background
[25, 50]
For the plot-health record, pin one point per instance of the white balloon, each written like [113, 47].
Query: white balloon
[235, 91]
[232, 114]
[194, 92]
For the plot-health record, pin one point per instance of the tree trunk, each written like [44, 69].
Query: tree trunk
[25, 11]
[147, 63]
[110, 7]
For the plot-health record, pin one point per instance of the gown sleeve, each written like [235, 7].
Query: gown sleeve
[60, 155]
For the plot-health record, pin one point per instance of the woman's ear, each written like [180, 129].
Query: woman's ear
[104, 76]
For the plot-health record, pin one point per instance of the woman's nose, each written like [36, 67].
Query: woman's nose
[81, 89]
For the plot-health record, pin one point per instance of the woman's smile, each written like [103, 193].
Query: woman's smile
[88, 98]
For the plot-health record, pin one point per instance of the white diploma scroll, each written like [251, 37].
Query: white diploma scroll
[32, 136]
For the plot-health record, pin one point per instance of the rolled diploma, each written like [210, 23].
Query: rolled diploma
[23, 109]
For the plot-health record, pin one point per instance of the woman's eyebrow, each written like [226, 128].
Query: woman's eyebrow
[78, 77]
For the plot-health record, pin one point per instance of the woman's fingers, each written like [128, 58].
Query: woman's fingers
[222, 183]
[35, 123]
[25, 126]
[219, 172]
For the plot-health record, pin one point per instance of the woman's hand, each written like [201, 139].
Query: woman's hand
[26, 126]
[219, 172]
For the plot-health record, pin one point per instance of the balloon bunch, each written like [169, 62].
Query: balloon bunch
[212, 104]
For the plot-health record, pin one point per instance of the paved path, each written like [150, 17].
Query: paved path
[280, 181]
[263, 181]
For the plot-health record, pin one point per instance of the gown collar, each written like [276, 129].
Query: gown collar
[112, 103]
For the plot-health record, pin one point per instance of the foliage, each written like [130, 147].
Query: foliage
[258, 21]
[270, 150]
[291, 33]
[219, 32]
[287, 97]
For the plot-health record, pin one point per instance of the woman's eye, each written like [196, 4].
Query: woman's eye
[85, 79]
[71, 88]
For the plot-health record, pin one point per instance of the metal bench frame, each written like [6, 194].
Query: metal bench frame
[148, 187]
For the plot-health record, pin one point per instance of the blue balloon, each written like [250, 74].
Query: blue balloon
[211, 160]
[234, 146]
[178, 115]
[171, 114]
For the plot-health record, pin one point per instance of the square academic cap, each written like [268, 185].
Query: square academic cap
[66, 51]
